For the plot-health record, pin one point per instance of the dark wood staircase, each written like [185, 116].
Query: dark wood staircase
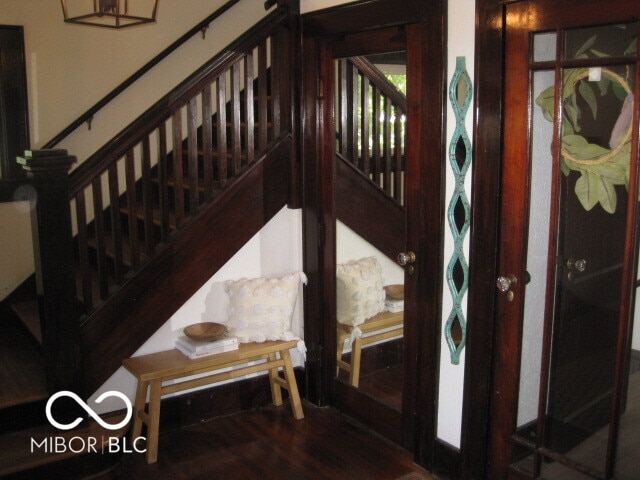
[155, 213]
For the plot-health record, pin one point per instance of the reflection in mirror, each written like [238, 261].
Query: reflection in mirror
[370, 303]
[371, 111]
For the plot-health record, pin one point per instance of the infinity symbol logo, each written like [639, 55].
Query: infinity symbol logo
[89, 410]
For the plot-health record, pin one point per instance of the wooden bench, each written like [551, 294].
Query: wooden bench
[154, 369]
[384, 326]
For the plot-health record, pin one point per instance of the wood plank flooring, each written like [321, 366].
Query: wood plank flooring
[31, 448]
[270, 444]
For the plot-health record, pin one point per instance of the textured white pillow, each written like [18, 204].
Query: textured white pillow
[261, 309]
[359, 291]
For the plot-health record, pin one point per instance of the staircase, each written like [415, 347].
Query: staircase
[157, 211]
[370, 155]
[169, 200]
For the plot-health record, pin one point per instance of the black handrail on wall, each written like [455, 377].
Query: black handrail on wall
[88, 115]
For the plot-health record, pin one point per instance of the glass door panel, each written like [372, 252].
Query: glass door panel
[580, 154]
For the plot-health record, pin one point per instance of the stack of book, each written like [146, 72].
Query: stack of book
[193, 349]
[394, 305]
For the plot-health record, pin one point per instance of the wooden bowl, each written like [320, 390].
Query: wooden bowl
[205, 331]
[395, 292]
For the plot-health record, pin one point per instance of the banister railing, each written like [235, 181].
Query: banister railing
[89, 114]
[120, 210]
[370, 126]
[128, 137]
[153, 176]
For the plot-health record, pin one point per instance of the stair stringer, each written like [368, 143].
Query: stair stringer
[360, 204]
[117, 328]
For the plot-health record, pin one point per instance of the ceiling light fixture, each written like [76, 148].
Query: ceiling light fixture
[110, 13]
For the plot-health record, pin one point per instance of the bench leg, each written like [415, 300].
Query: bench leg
[276, 391]
[154, 421]
[356, 354]
[292, 385]
[138, 409]
[339, 352]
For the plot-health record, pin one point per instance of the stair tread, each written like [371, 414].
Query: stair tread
[22, 377]
[28, 312]
[15, 447]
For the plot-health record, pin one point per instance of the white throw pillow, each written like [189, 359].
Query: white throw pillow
[261, 309]
[359, 291]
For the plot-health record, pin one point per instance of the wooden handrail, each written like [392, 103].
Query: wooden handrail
[377, 77]
[129, 136]
[371, 134]
[86, 116]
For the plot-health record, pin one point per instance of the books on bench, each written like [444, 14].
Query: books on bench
[193, 349]
[394, 305]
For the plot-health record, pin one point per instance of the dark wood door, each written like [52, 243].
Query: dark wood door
[375, 28]
[567, 238]
[388, 210]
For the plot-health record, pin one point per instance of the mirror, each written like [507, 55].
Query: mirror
[370, 223]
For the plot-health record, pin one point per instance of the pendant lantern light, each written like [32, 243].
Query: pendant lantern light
[110, 13]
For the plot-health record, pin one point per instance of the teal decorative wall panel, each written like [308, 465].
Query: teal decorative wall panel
[458, 213]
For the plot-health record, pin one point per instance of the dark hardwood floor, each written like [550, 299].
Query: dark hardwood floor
[270, 444]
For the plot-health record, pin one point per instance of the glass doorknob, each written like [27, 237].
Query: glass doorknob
[406, 258]
[504, 284]
[580, 265]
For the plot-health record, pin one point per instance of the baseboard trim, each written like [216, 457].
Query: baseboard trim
[634, 361]
[447, 460]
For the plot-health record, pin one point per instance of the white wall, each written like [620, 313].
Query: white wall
[351, 246]
[312, 5]
[274, 251]
[70, 67]
[16, 257]
[460, 34]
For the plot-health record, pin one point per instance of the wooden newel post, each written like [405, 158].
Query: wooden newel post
[55, 276]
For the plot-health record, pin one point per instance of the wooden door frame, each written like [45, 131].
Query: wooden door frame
[318, 211]
[487, 140]
[485, 192]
